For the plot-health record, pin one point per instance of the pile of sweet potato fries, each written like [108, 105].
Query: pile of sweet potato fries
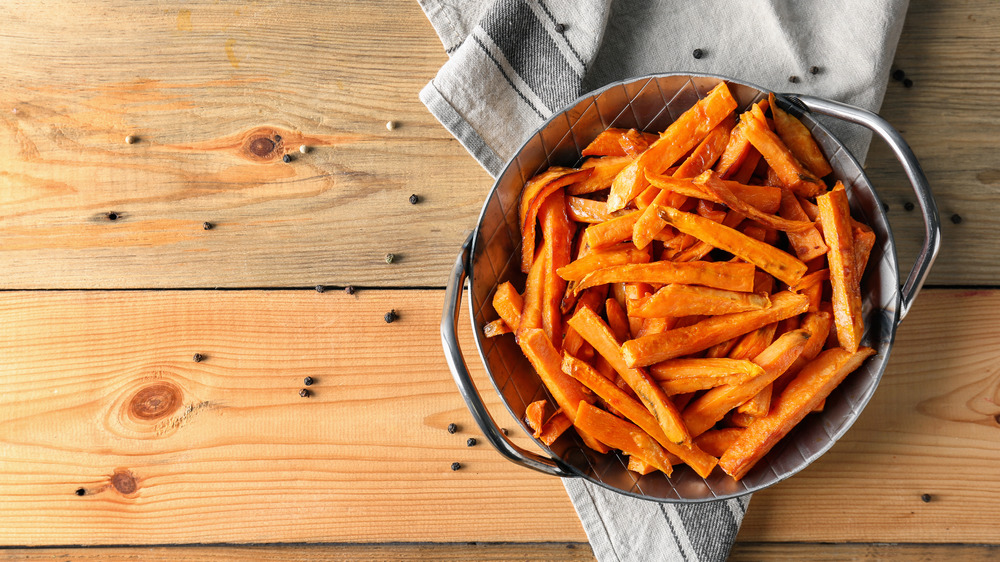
[692, 295]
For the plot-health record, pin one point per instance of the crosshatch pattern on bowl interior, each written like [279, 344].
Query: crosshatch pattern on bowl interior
[652, 104]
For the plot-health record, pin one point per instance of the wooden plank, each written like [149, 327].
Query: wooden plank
[827, 552]
[240, 457]
[948, 117]
[206, 88]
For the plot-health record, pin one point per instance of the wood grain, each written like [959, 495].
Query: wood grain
[198, 82]
[950, 118]
[238, 456]
[207, 88]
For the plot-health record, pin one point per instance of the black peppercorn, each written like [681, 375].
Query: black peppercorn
[907, 83]
[198, 358]
[793, 79]
[81, 492]
[813, 70]
[390, 316]
[908, 206]
[207, 225]
[112, 216]
[452, 428]
[414, 199]
[304, 393]
[389, 258]
[926, 498]
[898, 74]
[307, 381]
[286, 158]
[956, 218]
[503, 430]
[698, 53]
[320, 288]
[349, 289]
[456, 466]
[470, 442]
[560, 27]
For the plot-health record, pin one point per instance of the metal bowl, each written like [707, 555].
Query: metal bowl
[492, 256]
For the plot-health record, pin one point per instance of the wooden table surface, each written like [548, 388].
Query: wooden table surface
[115, 443]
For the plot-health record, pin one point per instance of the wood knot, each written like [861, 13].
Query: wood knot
[124, 482]
[261, 146]
[155, 401]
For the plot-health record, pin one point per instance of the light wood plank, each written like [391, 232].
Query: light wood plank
[826, 552]
[242, 458]
[950, 118]
[198, 83]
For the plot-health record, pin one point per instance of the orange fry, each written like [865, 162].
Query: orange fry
[763, 255]
[808, 243]
[534, 416]
[535, 193]
[620, 434]
[496, 328]
[835, 214]
[753, 343]
[680, 137]
[716, 441]
[730, 276]
[738, 147]
[553, 428]
[704, 412]
[686, 300]
[610, 232]
[695, 368]
[780, 159]
[718, 188]
[799, 140]
[694, 384]
[600, 259]
[557, 232]
[809, 388]
[710, 331]
[603, 172]
[508, 303]
[608, 143]
[764, 198]
[598, 334]
[588, 210]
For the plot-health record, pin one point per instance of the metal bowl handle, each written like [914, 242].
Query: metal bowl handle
[460, 372]
[932, 223]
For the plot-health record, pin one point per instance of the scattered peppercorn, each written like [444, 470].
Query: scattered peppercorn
[414, 199]
[198, 358]
[470, 442]
[286, 158]
[560, 27]
[349, 289]
[207, 225]
[793, 79]
[503, 430]
[698, 53]
[908, 206]
[130, 139]
[81, 492]
[907, 83]
[320, 288]
[813, 70]
[926, 498]
[452, 428]
[389, 258]
[307, 381]
[304, 393]
[456, 465]
[956, 218]
[898, 74]
[112, 216]
[390, 125]
[390, 316]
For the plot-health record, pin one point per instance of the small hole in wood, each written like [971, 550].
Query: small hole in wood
[81, 492]
[112, 216]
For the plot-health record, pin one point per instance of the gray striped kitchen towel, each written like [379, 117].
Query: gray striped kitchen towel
[513, 63]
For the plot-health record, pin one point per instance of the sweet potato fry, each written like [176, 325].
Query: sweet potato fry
[718, 189]
[635, 464]
[681, 136]
[809, 388]
[808, 243]
[799, 140]
[685, 300]
[535, 193]
[600, 259]
[752, 344]
[598, 334]
[738, 146]
[818, 324]
[534, 416]
[496, 328]
[602, 173]
[634, 411]
[534, 296]
[567, 391]
[836, 216]
[789, 170]
[729, 276]
[611, 232]
[508, 304]
[554, 427]
[608, 143]
[620, 434]
[587, 210]
[557, 233]
[617, 319]
[704, 412]
[591, 298]
[765, 199]
[767, 257]
[710, 331]
[716, 441]
[864, 241]
[674, 369]
[759, 405]
[694, 384]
